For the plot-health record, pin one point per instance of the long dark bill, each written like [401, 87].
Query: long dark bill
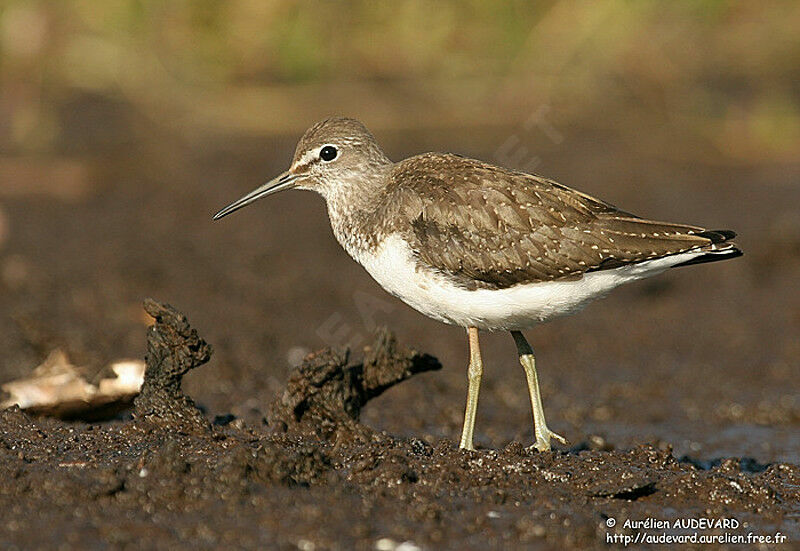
[284, 181]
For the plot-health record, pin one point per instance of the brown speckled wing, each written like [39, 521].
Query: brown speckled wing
[489, 227]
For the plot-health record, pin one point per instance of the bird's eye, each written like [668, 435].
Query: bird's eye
[328, 153]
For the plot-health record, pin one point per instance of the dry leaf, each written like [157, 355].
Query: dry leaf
[57, 388]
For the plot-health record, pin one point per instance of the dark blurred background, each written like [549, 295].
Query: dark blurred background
[125, 124]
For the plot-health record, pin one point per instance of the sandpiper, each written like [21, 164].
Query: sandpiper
[479, 246]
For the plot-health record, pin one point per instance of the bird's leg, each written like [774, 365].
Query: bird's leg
[474, 372]
[543, 434]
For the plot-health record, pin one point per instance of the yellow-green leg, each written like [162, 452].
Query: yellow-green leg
[474, 372]
[543, 434]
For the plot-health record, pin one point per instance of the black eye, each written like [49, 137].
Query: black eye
[328, 153]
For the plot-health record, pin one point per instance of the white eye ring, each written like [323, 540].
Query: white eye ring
[328, 153]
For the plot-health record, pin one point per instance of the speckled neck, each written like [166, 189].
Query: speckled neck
[356, 205]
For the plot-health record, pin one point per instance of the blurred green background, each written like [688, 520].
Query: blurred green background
[727, 73]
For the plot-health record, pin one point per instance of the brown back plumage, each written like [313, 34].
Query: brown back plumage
[491, 227]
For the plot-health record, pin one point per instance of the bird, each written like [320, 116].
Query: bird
[479, 246]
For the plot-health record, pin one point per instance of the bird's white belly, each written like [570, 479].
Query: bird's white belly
[393, 266]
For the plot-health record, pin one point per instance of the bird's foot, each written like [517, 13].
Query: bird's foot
[543, 440]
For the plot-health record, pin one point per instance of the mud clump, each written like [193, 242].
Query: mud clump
[173, 349]
[325, 395]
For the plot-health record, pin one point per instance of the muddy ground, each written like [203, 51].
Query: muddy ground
[679, 395]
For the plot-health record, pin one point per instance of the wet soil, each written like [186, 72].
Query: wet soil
[679, 395]
[167, 478]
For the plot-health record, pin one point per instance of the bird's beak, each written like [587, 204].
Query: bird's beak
[284, 181]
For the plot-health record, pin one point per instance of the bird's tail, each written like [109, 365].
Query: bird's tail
[721, 248]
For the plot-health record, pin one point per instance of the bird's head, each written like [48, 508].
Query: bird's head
[334, 154]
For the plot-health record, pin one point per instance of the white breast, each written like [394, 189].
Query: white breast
[393, 266]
